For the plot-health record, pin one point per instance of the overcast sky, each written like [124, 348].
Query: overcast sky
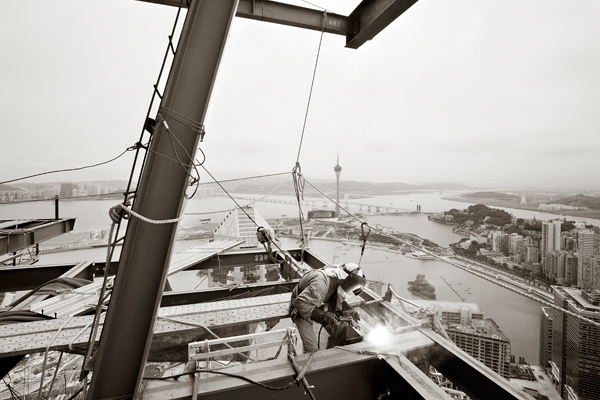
[494, 92]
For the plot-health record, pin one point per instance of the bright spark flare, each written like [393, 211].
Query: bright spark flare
[378, 336]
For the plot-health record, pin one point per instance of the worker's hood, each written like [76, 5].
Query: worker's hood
[335, 271]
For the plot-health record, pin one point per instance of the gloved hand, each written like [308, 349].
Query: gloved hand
[353, 314]
[326, 319]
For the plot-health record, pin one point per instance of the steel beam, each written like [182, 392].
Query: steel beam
[27, 277]
[283, 14]
[362, 25]
[201, 296]
[371, 17]
[290, 15]
[470, 375]
[125, 342]
[18, 235]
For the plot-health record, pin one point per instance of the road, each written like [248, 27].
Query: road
[495, 276]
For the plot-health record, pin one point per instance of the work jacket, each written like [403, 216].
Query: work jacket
[314, 289]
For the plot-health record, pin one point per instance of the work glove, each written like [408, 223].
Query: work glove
[353, 314]
[349, 311]
[326, 319]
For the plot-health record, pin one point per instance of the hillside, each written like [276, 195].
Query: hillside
[580, 200]
[491, 195]
[7, 187]
[354, 187]
[480, 213]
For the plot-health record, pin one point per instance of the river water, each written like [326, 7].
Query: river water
[517, 316]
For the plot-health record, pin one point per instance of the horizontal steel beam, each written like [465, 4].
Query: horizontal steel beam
[362, 25]
[200, 296]
[18, 235]
[290, 15]
[371, 17]
[27, 277]
[282, 14]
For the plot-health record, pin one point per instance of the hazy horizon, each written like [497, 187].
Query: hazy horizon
[487, 94]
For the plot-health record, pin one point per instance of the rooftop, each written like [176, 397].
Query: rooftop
[486, 328]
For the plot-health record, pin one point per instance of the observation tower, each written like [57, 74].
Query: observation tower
[338, 170]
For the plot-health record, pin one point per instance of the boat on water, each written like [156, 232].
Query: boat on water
[420, 255]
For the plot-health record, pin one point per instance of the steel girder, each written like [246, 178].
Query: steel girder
[18, 235]
[470, 375]
[371, 17]
[201, 296]
[125, 341]
[362, 25]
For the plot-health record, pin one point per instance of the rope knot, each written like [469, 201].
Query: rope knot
[118, 212]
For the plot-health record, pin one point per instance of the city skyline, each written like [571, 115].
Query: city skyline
[471, 92]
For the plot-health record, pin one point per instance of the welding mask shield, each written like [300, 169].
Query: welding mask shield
[354, 282]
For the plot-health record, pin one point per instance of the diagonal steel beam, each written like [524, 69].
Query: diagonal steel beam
[125, 341]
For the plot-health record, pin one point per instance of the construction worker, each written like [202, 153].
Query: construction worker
[320, 297]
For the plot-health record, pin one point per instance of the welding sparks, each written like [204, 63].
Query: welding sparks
[378, 336]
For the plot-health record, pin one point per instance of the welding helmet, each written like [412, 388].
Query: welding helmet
[356, 281]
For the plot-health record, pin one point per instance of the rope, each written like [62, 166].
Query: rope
[364, 237]
[237, 204]
[116, 213]
[194, 179]
[13, 392]
[46, 355]
[517, 291]
[190, 123]
[101, 298]
[71, 169]
[55, 375]
[247, 204]
[122, 211]
[150, 105]
[299, 190]
[312, 84]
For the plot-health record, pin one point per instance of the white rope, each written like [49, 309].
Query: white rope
[114, 214]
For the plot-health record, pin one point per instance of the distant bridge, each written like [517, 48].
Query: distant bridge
[378, 209]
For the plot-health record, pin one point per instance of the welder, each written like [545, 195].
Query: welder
[320, 296]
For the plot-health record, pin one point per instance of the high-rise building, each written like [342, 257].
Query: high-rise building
[92, 189]
[555, 265]
[585, 247]
[545, 352]
[550, 239]
[66, 189]
[451, 312]
[513, 243]
[338, 171]
[483, 340]
[575, 360]
[589, 271]
[500, 242]
[533, 254]
[571, 269]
